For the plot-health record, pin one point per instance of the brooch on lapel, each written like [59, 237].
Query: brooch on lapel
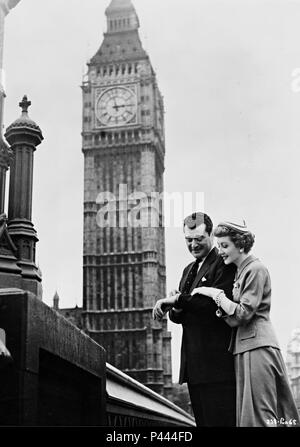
[203, 279]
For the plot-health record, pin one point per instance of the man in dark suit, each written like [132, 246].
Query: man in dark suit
[206, 364]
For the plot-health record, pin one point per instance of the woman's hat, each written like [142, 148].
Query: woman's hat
[237, 227]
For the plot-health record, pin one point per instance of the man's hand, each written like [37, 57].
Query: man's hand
[174, 292]
[163, 305]
[160, 309]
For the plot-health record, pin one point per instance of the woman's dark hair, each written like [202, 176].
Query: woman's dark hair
[240, 239]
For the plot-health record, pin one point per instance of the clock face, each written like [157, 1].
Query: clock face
[116, 106]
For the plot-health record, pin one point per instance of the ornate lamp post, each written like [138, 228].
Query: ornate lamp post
[23, 135]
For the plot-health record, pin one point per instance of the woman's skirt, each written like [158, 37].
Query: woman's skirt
[264, 397]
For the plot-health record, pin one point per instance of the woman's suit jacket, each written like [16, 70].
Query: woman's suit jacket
[251, 319]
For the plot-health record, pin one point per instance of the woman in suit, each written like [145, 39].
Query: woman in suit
[263, 395]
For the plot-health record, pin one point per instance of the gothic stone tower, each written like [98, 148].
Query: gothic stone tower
[124, 256]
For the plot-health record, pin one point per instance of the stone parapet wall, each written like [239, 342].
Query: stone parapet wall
[58, 374]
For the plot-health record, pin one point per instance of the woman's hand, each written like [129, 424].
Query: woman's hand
[211, 292]
[163, 305]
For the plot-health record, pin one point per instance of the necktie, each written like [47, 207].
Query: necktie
[191, 276]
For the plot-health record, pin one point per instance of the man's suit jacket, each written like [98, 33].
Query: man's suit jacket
[205, 338]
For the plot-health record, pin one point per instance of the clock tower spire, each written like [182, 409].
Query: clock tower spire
[124, 151]
[121, 40]
[121, 16]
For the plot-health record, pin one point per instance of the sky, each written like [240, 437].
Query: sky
[229, 72]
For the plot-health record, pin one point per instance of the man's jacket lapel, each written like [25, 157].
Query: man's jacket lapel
[184, 278]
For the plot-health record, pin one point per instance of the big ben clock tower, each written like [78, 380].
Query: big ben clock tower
[124, 149]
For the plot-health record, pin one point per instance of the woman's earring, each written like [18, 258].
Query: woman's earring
[241, 250]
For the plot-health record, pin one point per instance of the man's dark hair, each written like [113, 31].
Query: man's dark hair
[194, 220]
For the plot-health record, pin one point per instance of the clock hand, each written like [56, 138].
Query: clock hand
[118, 107]
[127, 105]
